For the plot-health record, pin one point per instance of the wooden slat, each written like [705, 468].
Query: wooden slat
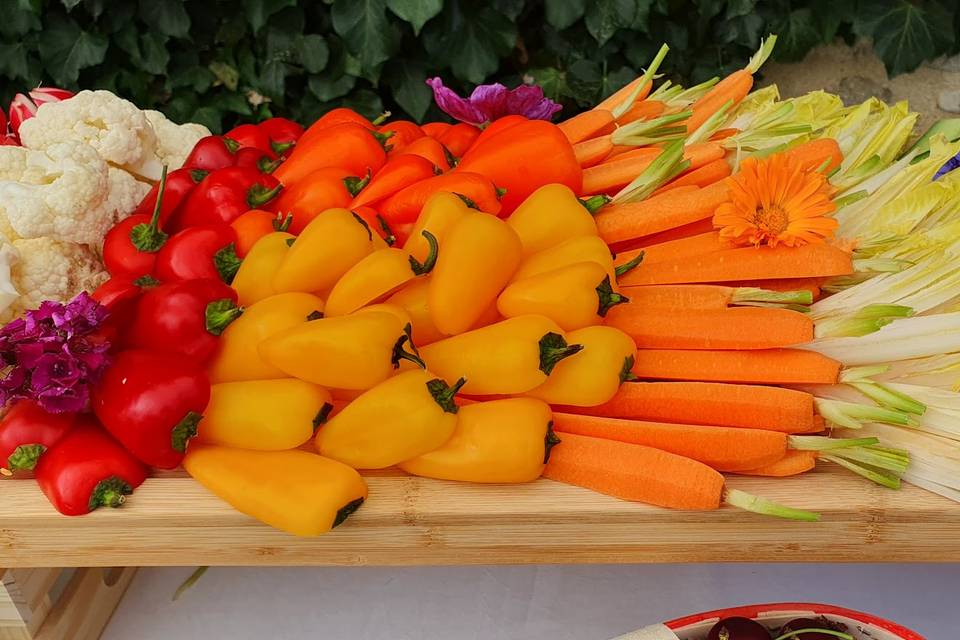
[410, 521]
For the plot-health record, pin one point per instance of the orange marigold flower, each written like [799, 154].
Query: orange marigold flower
[775, 201]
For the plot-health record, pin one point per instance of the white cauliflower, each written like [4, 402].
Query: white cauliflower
[116, 128]
[60, 192]
[123, 195]
[174, 141]
[47, 269]
[8, 292]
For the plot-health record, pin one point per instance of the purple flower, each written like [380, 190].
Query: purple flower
[54, 354]
[491, 101]
[952, 163]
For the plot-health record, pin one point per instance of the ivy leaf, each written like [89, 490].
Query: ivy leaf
[472, 39]
[364, 28]
[563, 13]
[167, 16]
[510, 8]
[65, 49]
[737, 8]
[605, 17]
[416, 12]
[29, 5]
[365, 102]
[905, 34]
[828, 15]
[70, 4]
[584, 81]
[408, 87]
[210, 117]
[259, 11]
[552, 80]
[13, 61]
[18, 22]
[273, 78]
[796, 35]
[328, 86]
[312, 52]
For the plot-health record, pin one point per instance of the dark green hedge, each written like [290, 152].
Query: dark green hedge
[218, 61]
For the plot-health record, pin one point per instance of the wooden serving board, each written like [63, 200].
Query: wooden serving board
[414, 521]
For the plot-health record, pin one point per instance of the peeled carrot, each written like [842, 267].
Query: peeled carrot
[676, 208]
[821, 154]
[687, 297]
[722, 448]
[762, 366]
[711, 403]
[587, 125]
[645, 110]
[590, 152]
[674, 249]
[792, 464]
[784, 284]
[625, 152]
[622, 169]
[733, 328]
[634, 472]
[744, 263]
[734, 88]
[621, 94]
[723, 134]
[704, 176]
[679, 233]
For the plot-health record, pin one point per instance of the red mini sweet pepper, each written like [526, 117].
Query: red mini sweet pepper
[249, 135]
[262, 161]
[184, 317]
[120, 295]
[180, 182]
[225, 194]
[283, 133]
[27, 431]
[212, 153]
[130, 247]
[151, 401]
[88, 469]
[206, 251]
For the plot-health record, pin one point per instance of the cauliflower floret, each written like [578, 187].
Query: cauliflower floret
[125, 193]
[115, 127]
[8, 292]
[51, 270]
[60, 193]
[174, 141]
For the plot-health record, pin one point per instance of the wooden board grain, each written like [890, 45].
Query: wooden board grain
[414, 521]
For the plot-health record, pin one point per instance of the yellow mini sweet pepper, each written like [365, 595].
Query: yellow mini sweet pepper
[328, 246]
[413, 298]
[399, 419]
[392, 309]
[253, 280]
[592, 376]
[477, 259]
[575, 296]
[238, 358]
[347, 352]
[376, 276]
[581, 249]
[509, 357]
[498, 441]
[551, 215]
[295, 491]
[438, 215]
[268, 415]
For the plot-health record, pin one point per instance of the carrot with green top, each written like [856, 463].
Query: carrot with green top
[733, 328]
[792, 464]
[705, 176]
[620, 222]
[644, 474]
[619, 171]
[762, 366]
[675, 249]
[711, 403]
[820, 154]
[745, 264]
[643, 110]
[705, 297]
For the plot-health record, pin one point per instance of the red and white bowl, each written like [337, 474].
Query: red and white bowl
[862, 626]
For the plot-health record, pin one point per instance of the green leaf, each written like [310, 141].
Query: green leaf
[416, 12]
[510, 8]
[273, 78]
[29, 5]
[796, 34]
[551, 80]
[210, 117]
[16, 23]
[584, 81]
[13, 61]
[328, 86]
[905, 33]
[225, 74]
[94, 7]
[472, 39]
[70, 4]
[365, 102]
[259, 11]
[167, 16]
[65, 49]
[605, 17]
[364, 28]
[828, 15]
[737, 8]
[312, 52]
[408, 87]
[563, 13]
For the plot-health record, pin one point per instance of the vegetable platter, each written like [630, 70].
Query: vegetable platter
[486, 340]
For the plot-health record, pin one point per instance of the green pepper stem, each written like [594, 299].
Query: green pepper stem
[425, 267]
[184, 430]
[388, 236]
[109, 492]
[322, 416]
[283, 225]
[607, 297]
[467, 201]
[443, 394]
[627, 267]
[399, 353]
[626, 371]
[346, 511]
[553, 349]
[149, 238]
[219, 314]
[365, 225]
[380, 119]
[25, 457]
[550, 440]
[146, 282]
[258, 195]
[355, 185]
[227, 262]
[594, 203]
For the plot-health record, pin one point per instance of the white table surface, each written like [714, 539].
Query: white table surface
[586, 602]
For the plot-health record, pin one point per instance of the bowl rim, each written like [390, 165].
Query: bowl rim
[755, 610]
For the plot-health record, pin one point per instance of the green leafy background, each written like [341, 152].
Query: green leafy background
[220, 62]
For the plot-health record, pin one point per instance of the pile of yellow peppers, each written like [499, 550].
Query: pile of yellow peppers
[441, 357]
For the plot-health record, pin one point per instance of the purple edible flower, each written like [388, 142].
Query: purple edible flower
[491, 101]
[952, 163]
[54, 354]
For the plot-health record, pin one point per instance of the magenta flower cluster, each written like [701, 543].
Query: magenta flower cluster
[491, 101]
[54, 354]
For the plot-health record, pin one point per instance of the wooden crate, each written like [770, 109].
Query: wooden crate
[59, 604]
[172, 520]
